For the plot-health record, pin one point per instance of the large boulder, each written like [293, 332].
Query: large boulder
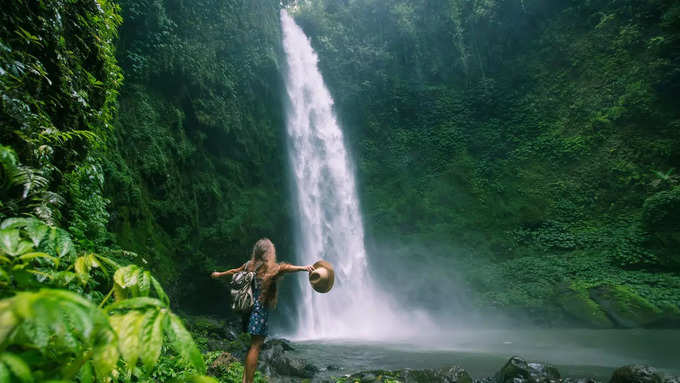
[517, 370]
[275, 361]
[578, 305]
[625, 307]
[636, 373]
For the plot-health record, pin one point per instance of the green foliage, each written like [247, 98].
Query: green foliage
[194, 171]
[232, 373]
[516, 132]
[66, 329]
[59, 83]
[61, 334]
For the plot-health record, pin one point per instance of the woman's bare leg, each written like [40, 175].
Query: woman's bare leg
[251, 359]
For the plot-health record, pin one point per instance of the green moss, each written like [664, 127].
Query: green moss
[624, 306]
[576, 302]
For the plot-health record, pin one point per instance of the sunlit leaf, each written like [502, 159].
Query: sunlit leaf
[9, 241]
[152, 337]
[128, 327]
[36, 231]
[86, 373]
[17, 366]
[135, 303]
[159, 291]
[183, 343]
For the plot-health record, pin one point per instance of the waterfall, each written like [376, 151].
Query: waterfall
[329, 221]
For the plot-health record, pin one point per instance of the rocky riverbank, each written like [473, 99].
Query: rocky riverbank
[225, 348]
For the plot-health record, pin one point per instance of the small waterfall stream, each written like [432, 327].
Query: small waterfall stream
[329, 220]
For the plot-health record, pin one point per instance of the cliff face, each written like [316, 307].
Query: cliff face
[196, 173]
[521, 145]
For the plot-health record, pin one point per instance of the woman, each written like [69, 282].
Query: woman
[267, 271]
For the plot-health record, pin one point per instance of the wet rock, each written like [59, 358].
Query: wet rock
[517, 370]
[578, 305]
[453, 374]
[580, 380]
[278, 343]
[220, 365]
[444, 375]
[625, 307]
[275, 362]
[672, 379]
[636, 373]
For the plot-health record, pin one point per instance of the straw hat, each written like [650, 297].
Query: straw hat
[322, 277]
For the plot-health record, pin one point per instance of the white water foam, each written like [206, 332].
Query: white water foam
[329, 220]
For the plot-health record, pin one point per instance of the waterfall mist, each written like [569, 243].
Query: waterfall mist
[328, 217]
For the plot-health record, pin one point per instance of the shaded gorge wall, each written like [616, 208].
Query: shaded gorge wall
[196, 171]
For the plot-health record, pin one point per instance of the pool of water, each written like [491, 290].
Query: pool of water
[576, 353]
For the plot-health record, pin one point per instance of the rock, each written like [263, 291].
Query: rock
[283, 344]
[580, 380]
[517, 370]
[275, 362]
[636, 373]
[444, 375]
[576, 303]
[453, 374]
[220, 365]
[672, 379]
[625, 307]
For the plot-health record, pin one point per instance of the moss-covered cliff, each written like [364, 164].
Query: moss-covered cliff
[196, 170]
[529, 146]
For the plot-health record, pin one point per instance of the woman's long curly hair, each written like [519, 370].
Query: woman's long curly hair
[263, 262]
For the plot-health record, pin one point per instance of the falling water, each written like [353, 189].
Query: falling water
[329, 221]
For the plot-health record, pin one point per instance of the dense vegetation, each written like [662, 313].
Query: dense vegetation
[196, 168]
[532, 143]
[73, 305]
[528, 147]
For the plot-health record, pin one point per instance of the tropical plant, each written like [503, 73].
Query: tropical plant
[24, 189]
[48, 333]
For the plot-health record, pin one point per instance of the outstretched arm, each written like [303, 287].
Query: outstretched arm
[218, 274]
[293, 268]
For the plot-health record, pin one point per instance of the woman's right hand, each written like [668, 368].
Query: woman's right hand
[309, 268]
[214, 275]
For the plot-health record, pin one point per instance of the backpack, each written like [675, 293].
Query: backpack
[242, 291]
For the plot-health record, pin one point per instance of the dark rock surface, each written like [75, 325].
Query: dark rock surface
[453, 374]
[275, 362]
[636, 373]
[517, 370]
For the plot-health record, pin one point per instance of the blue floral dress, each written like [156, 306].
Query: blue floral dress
[257, 321]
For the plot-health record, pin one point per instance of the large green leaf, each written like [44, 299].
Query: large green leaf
[128, 327]
[183, 343]
[34, 255]
[135, 303]
[5, 375]
[152, 337]
[86, 373]
[106, 354]
[36, 231]
[17, 366]
[159, 291]
[126, 276]
[12, 244]
[14, 223]
[63, 244]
